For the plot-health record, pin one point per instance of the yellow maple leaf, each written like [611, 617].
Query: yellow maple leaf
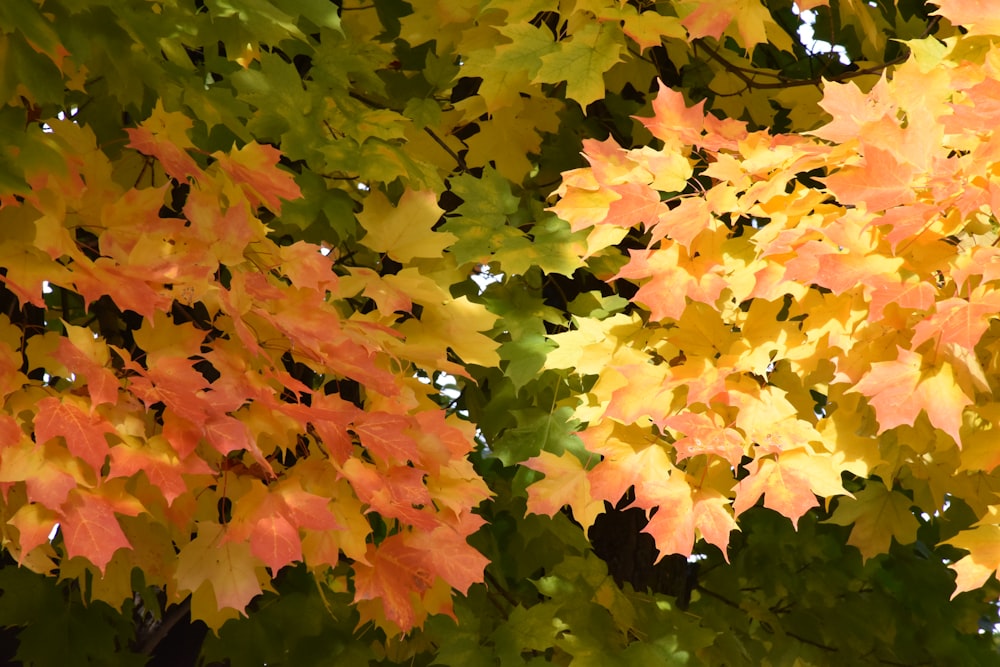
[404, 231]
[878, 514]
[983, 545]
[565, 483]
[228, 566]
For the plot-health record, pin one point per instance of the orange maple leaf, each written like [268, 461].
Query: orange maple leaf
[386, 436]
[396, 576]
[34, 524]
[254, 168]
[102, 385]
[898, 390]
[880, 183]
[672, 524]
[84, 434]
[159, 463]
[90, 528]
[957, 320]
[673, 121]
[445, 552]
[164, 136]
[789, 483]
[703, 434]
[979, 17]
[275, 541]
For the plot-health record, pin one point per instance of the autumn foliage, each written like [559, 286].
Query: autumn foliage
[317, 326]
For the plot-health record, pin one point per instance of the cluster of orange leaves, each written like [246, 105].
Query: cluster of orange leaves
[191, 452]
[807, 306]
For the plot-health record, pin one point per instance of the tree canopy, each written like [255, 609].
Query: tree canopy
[499, 332]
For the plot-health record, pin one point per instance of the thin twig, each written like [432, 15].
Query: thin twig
[459, 160]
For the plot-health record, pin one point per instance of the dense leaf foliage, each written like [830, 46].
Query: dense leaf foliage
[476, 333]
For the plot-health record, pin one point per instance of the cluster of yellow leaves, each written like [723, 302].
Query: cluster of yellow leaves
[185, 446]
[808, 306]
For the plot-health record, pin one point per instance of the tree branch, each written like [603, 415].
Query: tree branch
[748, 76]
[170, 619]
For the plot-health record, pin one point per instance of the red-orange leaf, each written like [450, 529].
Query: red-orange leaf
[385, 434]
[84, 434]
[159, 463]
[90, 528]
[164, 136]
[254, 167]
[396, 576]
[673, 122]
[275, 541]
[445, 552]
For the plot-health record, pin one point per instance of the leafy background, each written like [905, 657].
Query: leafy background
[171, 172]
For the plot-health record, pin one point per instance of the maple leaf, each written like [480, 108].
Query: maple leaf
[880, 183]
[704, 435]
[713, 517]
[647, 28]
[683, 222]
[48, 471]
[90, 528]
[404, 231]
[126, 285]
[983, 545]
[82, 354]
[304, 509]
[228, 566]
[582, 60]
[853, 110]
[254, 168]
[980, 17]
[395, 492]
[84, 434]
[395, 574]
[877, 515]
[34, 524]
[711, 18]
[959, 321]
[228, 434]
[789, 483]
[673, 121]
[673, 278]
[565, 483]
[672, 526]
[270, 518]
[446, 553]
[386, 436]
[583, 201]
[275, 541]
[630, 458]
[159, 462]
[164, 136]
[899, 390]
[913, 294]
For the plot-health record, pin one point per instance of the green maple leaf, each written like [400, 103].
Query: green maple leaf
[582, 60]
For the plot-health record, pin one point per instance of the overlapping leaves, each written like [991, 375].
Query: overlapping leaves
[819, 306]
